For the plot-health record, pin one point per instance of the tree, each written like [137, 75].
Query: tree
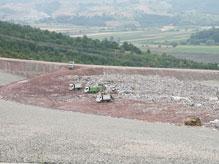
[174, 44]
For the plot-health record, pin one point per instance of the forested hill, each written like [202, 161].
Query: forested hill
[25, 42]
[112, 13]
[210, 37]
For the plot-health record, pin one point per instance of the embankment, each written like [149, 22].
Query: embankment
[31, 68]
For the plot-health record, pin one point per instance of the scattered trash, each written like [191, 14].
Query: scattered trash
[198, 105]
[215, 123]
[152, 89]
[213, 99]
[182, 99]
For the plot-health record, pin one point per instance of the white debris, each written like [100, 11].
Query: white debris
[198, 105]
[154, 88]
[213, 99]
[215, 123]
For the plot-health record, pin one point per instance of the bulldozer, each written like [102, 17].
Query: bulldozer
[103, 98]
[94, 89]
[76, 86]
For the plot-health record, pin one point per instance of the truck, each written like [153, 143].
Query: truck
[76, 86]
[71, 65]
[94, 89]
[103, 98]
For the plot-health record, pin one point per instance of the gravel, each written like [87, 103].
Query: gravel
[7, 78]
[34, 134]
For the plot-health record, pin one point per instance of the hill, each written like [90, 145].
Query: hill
[112, 13]
[25, 42]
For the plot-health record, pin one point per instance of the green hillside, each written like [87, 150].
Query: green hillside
[210, 37]
[25, 42]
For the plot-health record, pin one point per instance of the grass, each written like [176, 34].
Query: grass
[197, 49]
[144, 37]
[204, 54]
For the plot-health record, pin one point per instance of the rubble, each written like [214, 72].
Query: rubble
[215, 123]
[155, 88]
[192, 121]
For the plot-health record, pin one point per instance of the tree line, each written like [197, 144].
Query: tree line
[208, 37]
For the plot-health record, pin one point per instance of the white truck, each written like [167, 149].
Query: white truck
[71, 65]
[103, 98]
[76, 86]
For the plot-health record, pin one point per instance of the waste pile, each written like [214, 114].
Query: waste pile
[153, 88]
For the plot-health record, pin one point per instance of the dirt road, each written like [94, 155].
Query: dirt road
[6, 78]
[34, 134]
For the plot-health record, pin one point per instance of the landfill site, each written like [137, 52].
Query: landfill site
[170, 108]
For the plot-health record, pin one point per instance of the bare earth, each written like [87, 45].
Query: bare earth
[34, 134]
[7, 78]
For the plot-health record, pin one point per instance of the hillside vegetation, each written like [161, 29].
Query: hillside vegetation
[209, 37]
[25, 42]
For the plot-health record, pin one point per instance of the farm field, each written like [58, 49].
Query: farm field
[137, 37]
[147, 36]
[197, 49]
[205, 54]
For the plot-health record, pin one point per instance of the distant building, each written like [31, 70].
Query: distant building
[167, 28]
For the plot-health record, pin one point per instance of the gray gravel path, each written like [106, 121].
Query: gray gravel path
[33, 134]
[7, 78]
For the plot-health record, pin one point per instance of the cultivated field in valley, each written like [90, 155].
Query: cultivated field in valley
[205, 54]
[144, 37]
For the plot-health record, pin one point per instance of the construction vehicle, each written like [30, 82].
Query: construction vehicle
[94, 89]
[103, 98]
[76, 86]
[71, 65]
